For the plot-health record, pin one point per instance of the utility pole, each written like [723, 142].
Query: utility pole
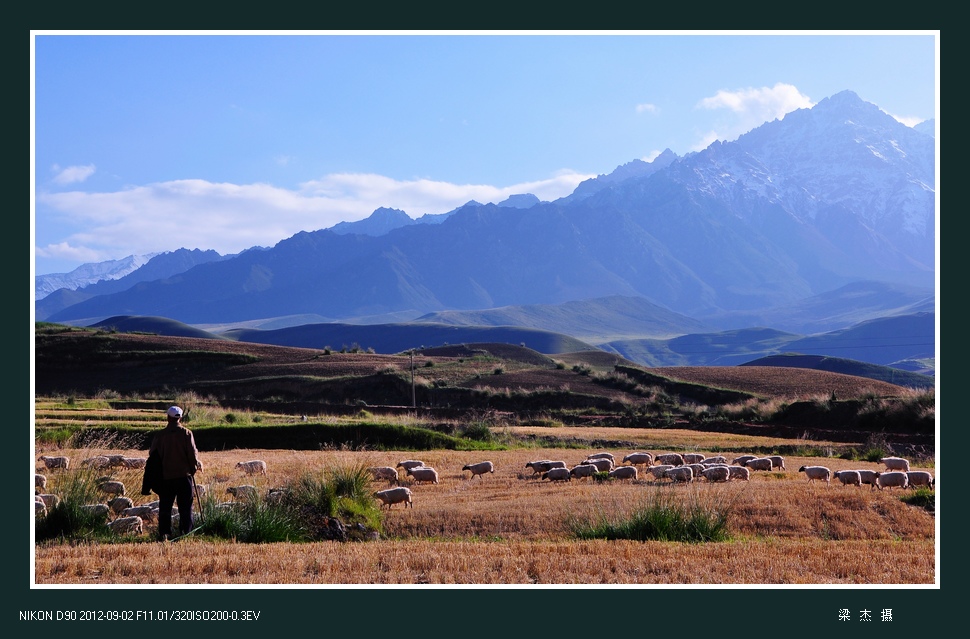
[413, 402]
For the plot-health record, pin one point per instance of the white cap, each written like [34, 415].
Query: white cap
[174, 411]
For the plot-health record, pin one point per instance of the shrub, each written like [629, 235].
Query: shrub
[666, 519]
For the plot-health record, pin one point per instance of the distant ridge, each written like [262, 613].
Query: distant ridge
[153, 325]
[847, 367]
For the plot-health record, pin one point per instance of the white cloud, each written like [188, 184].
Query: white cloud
[909, 121]
[647, 108]
[750, 108]
[72, 174]
[65, 251]
[230, 218]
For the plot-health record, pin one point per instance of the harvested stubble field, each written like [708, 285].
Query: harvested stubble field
[510, 527]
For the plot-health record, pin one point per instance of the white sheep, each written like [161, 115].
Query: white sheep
[608, 456]
[96, 510]
[254, 467]
[895, 479]
[407, 464]
[391, 496]
[127, 525]
[639, 458]
[40, 481]
[849, 477]
[423, 473]
[540, 466]
[98, 462]
[759, 463]
[479, 469]
[40, 508]
[116, 460]
[740, 461]
[680, 473]
[659, 470]
[624, 472]
[816, 472]
[716, 473]
[118, 504]
[602, 464]
[869, 477]
[245, 492]
[134, 462]
[920, 478]
[55, 462]
[716, 459]
[739, 472]
[583, 470]
[557, 474]
[693, 458]
[697, 468]
[386, 473]
[277, 495]
[146, 512]
[50, 500]
[672, 459]
[112, 487]
[895, 463]
[777, 461]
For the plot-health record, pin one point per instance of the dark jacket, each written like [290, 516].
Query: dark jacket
[176, 449]
[152, 480]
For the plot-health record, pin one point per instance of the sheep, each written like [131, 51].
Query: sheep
[116, 460]
[479, 469]
[557, 474]
[693, 458]
[868, 477]
[423, 473]
[624, 472]
[895, 463]
[739, 472]
[639, 458]
[717, 459]
[602, 464]
[146, 512]
[383, 472]
[777, 461]
[40, 481]
[134, 462]
[254, 467]
[201, 489]
[408, 464]
[118, 504]
[608, 456]
[127, 525]
[740, 461]
[659, 471]
[40, 509]
[583, 470]
[245, 492]
[816, 472]
[391, 496]
[920, 478]
[96, 510]
[112, 487]
[759, 463]
[672, 459]
[848, 477]
[50, 500]
[895, 479]
[680, 473]
[55, 462]
[543, 465]
[97, 462]
[697, 468]
[716, 473]
[277, 495]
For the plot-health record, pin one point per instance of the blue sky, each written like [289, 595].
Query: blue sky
[149, 142]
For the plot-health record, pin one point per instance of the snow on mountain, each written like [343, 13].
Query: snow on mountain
[87, 274]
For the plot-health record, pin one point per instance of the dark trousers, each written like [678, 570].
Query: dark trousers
[174, 491]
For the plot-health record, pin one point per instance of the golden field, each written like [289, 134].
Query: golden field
[510, 527]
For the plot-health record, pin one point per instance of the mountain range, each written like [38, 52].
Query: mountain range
[814, 222]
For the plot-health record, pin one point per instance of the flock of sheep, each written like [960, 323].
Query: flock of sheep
[675, 467]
